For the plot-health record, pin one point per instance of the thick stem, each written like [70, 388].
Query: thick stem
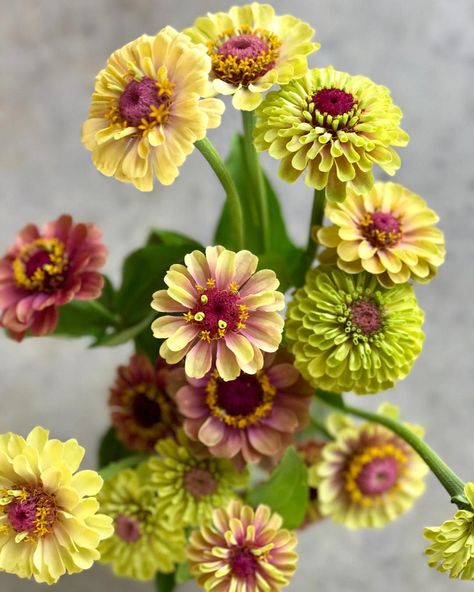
[445, 475]
[317, 215]
[258, 181]
[207, 149]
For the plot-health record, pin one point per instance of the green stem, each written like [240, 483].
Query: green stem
[207, 149]
[317, 215]
[256, 173]
[445, 475]
[114, 319]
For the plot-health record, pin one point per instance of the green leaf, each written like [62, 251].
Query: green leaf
[164, 582]
[286, 492]
[128, 462]
[111, 448]
[182, 573]
[332, 399]
[148, 345]
[170, 238]
[123, 335]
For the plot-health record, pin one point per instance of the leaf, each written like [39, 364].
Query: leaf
[332, 399]
[164, 582]
[114, 468]
[148, 345]
[170, 238]
[182, 573]
[286, 492]
[123, 335]
[111, 448]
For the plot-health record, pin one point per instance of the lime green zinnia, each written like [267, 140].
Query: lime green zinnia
[334, 126]
[452, 543]
[348, 333]
[190, 488]
[144, 541]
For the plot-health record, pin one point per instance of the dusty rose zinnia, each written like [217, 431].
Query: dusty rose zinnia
[44, 270]
[143, 410]
[243, 550]
[225, 313]
[251, 417]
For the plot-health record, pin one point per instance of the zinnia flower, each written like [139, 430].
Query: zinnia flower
[311, 452]
[143, 410]
[146, 111]
[190, 486]
[144, 541]
[252, 49]
[250, 417]
[334, 126]
[44, 270]
[368, 476]
[452, 544]
[388, 232]
[226, 313]
[49, 523]
[348, 333]
[242, 550]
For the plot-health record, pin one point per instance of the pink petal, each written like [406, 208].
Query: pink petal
[9, 294]
[58, 228]
[196, 263]
[24, 308]
[265, 337]
[212, 431]
[248, 452]
[226, 362]
[225, 269]
[45, 321]
[265, 440]
[191, 402]
[192, 427]
[180, 288]
[212, 254]
[240, 346]
[162, 302]
[199, 359]
[91, 286]
[184, 335]
[27, 235]
[283, 375]
[263, 281]
[230, 444]
[281, 419]
[245, 266]
[164, 327]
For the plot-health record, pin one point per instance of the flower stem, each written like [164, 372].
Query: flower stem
[256, 173]
[445, 475]
[317, 215]
[207, 149]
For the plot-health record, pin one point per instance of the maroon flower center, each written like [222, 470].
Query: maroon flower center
[243, 562]
[146, 411]
[41, 265]
[127, 528]
[138, 98]
[199, 483]
[241, 396]
[36, 261]
[34, 512]
[381, 229]
[333, 101]
[378, 476]
[366, 316]
[217, 311]
[243, 46]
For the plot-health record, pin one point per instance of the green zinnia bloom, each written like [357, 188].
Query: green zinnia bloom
[452, 543]
[334, 126]
[190, 487]
[144, 541]
[349, 333]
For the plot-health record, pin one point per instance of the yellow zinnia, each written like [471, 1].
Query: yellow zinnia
[147, 112]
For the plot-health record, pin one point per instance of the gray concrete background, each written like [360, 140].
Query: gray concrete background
[50, 51]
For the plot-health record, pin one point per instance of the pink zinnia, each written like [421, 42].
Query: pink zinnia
[250, 417]
[42, 271]
[225, 313]
[243, 550]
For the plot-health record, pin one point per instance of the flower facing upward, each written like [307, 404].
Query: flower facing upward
[49, 523]
[243, 550]
[146, 111]
[226, 313]
[348, 333]
[252, 49]
[334, 126]
[368, 476]
[190, 488]
[143, 410]
[44, 270]
[144, 541]
[388, 232]
[250, 417]
[452, 544]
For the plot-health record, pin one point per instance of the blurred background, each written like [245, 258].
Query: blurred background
[423, 50]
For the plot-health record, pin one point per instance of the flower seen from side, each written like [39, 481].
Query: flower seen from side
[147, 112]
[49, 525]
[251, 49]
[388, 231]
[451, 547]
[333, 126]
[224, 313]
[144, 541]
[45, 269]
[243, 549]
[251, 417]
[349, 333]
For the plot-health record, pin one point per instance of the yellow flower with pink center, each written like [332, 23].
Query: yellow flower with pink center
[225, 313]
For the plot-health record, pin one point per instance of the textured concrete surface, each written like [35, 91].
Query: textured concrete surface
[424, 51]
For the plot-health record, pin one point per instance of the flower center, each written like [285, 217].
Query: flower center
[146, 410]
[243, 562]
[127, 528]
[144, 103]
[31, 512]
[381, 229]
[378, 476]
[243, 55]
[333, 101]
[41, 265]
[366, 316]
[240, 402]
[200, 483]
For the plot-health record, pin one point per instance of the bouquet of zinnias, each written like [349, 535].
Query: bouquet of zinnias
[222, 443]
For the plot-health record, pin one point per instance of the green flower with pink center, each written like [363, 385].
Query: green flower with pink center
[225, 313]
